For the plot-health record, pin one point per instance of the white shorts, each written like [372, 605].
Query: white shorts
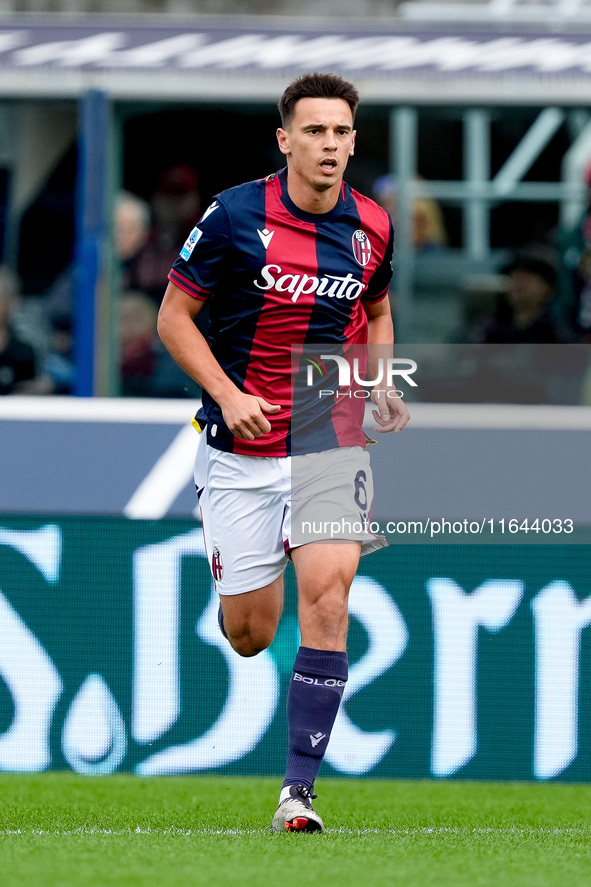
[255, 509]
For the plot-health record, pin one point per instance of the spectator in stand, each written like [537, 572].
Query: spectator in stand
[145, 257]
[524, 314]
[146, 368]
[176, 207]
[519, 368]
[132, 230]
[17, 358]
[428, 229]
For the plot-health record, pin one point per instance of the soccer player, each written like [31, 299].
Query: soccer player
[294, 260]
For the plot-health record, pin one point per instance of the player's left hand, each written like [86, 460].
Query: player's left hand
[392, 413]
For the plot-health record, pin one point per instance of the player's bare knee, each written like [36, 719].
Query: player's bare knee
[243, 648]
[250, 644]
[331, 603]
[246, 649]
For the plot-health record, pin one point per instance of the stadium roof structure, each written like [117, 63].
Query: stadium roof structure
[398, 61]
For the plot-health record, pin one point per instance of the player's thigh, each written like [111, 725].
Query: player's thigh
[332, 497]
[242, 505]
[322, 566]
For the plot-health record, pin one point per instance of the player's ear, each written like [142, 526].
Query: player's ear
[352, 148]
[283, 140]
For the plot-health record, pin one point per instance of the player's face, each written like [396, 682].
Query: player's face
[318, 143]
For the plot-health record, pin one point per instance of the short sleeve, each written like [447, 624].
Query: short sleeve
[201, 262]
[377, 288]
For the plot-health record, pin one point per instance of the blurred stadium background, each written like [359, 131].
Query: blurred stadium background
[470, 659]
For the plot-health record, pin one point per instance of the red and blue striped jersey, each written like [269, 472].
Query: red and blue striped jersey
[281, 281]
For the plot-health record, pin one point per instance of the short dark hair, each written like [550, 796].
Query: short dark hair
[537, 258]
[316, 86]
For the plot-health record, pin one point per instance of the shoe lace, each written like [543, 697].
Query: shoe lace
[306, 792]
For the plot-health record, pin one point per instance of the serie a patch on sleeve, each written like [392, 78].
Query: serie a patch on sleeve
[190, 243]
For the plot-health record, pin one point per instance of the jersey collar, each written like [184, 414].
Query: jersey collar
[294, 210]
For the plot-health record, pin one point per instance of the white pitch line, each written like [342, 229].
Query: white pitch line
[347, 832]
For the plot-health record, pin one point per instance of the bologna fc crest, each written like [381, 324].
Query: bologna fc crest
[217, 567]
[361, 247]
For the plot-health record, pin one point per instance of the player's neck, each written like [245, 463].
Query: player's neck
[309, 199]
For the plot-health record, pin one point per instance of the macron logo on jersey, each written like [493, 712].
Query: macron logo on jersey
[266, 236]
[210, 209]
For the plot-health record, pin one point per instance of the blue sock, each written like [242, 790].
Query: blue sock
[313, 699]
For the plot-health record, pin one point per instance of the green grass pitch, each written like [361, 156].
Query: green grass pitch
[64, 830]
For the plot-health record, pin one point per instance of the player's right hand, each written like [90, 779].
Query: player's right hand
[245, 415]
